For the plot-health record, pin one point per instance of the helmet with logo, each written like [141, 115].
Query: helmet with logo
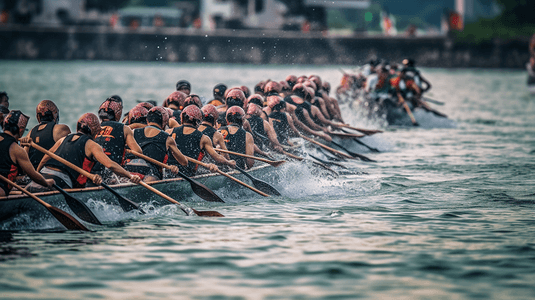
[111, 109]
[88, 124]
[138, 114]
[47, 111]
[159, 116]
[271, 88]
[235, 97]
[193, 99]
[235, 115]
[16, 122]
[191, 114]
[209, 113]
[176, 99]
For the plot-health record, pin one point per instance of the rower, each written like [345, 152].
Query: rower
[175, 100]
[183, 86]
[192, 143]
[412, 72]
[207, 127]
[314, 117]
[3, 113]
[155, 143]
[13, 156]
[236, 138]
[281, 120]
[4, 99]
[219, 93]
[80, 149]
[113, 137]
[316, 99]
[291, 80]
[47, 132]
[193, 99]
[263, 132]
[137, 117]
[173, 123]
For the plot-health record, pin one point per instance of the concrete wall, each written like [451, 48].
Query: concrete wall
[250, 47]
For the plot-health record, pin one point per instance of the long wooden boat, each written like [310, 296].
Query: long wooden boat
[177, 188]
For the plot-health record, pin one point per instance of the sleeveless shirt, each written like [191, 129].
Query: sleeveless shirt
[43, 137]
[189, 145]
[235, 143]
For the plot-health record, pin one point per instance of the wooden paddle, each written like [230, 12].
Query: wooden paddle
[293, 155]
[433, 101]
[64, 218]
[362, 157]
[125, 203]
[271, 162]
[198, 188]
[408, 110]
[365, 131]
[334, 151]
[319, 163]
[232, 178]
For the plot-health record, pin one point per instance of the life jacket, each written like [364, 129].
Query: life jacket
[189, 145]
[73, 152]
[8, 168]
[215, 102]
[281, 126]
[42, 135]
[111, 138]
[235, 143]
[257, 126]
[154, 147]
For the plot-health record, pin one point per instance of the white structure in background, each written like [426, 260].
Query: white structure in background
[270, 17]
[212, 9]
[53, 11]
[358, 4]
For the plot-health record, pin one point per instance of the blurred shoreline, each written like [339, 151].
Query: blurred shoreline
[251, 47]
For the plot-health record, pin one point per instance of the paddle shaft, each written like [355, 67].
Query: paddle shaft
[365, 131]
[64, 218]
[409, 112]
[200, 163]
[327, 147]
[362, 157]
[271, 162]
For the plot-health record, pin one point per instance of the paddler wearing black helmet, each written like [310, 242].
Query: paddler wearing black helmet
[183, 86]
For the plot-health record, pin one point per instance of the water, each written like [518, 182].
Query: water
[445, 213]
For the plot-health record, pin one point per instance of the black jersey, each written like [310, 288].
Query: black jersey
[42, 135]
[189, 145]
[209, 131]
[235, 143]
[281, 126]
[111, 138]
[259, 134]
[154, 147]
[8, 168]
[74, 152]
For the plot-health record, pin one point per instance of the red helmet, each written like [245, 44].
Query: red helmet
[272, 87]
[138, 114]
[259, 87]
[146, 105]
[273, 100]
[47, 111]
[193, 99]
[300, 90]
[169, 112]
[326, 87]
[109, 108]
[291, 80]
[176, 98]
[18, 119]
[254, 110]
[256, 99]
[235, 114]
[158, 110]
[311, 84]
[235, 97]
[316, 79]
[192, 114]
[301, 79]
[88, 124]
[246, 91]
[285, 87]
[209, 111]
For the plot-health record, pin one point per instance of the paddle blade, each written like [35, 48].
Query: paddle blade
[265, 187]
[67, 220]
[126, 204]
[207, 213]
[78, 207]
[204, 192]
[276, 163]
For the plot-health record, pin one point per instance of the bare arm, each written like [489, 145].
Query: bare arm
[249, 149]
[20, 157]
[171, 146]
[130, 140]
[219, 141]
[272, 136]
[206, 144]
[95, 150]
[308, 130]
[60, 131]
